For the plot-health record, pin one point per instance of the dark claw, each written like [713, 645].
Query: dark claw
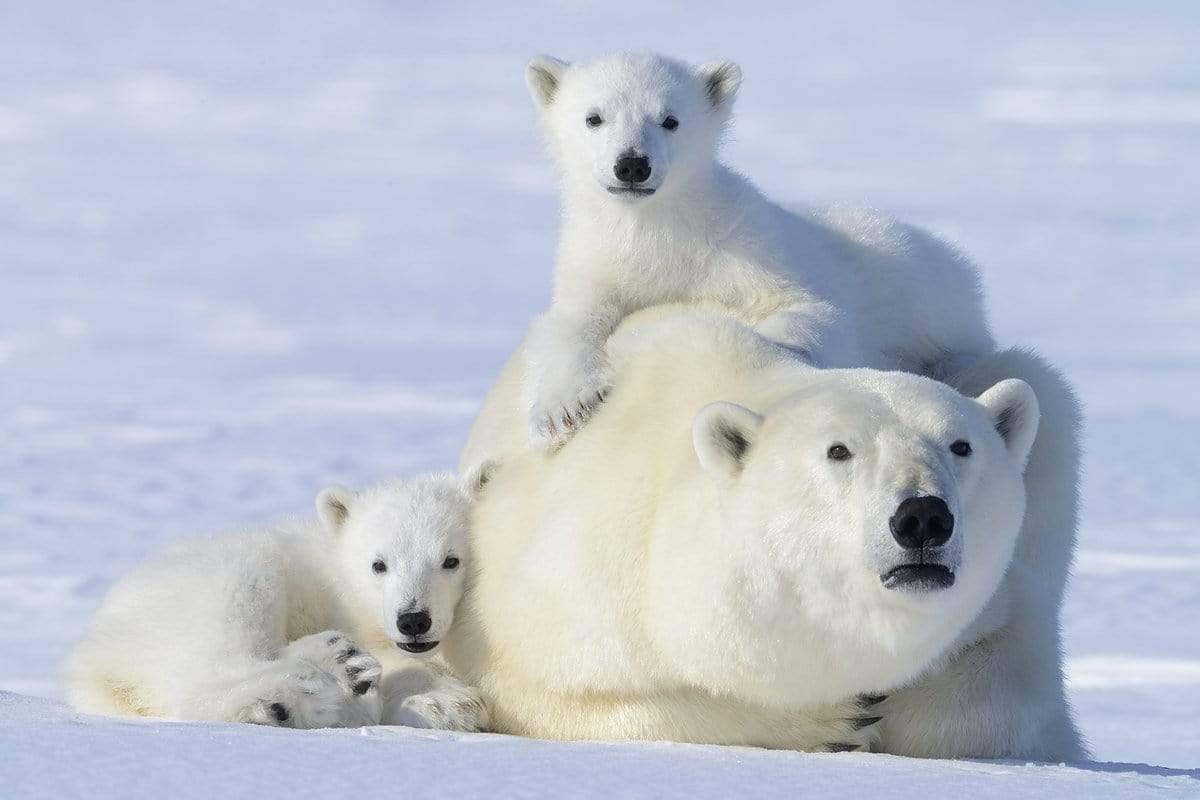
[347, 655]
[279, 712]
[362, 687]
[859, 723]
[868, 700]
[334, 640]
[353, 671]
[841, 747]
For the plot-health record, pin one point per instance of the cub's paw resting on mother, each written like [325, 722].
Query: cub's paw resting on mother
[565, 403]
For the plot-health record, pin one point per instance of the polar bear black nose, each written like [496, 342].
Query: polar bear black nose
[632, 169]
[922, 522]
[414, 623]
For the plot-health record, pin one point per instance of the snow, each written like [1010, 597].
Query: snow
[151, 758]
[249, 250]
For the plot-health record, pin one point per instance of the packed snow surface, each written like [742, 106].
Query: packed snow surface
[249, 251]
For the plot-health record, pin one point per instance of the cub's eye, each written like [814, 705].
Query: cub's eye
[670, 123]
[451, 562]
[961, 448]
[838, 452]
[379, 566]
[594, 121]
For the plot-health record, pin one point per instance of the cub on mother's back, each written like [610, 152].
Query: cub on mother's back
[651, 216]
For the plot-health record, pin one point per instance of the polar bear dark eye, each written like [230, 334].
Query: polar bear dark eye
[961, 448]
[379, 566]
[451, 562]
[838, 452]
[670, 123]
[594, 121]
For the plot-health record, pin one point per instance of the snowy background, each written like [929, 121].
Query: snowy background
[247, 251]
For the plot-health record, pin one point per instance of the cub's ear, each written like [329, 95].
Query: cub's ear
[333, 506]
[542, 76]
[1013, 408]
[721, 81]
[723, 434]
[477, 477]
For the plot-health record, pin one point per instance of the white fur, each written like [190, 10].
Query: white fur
[998, 692]
[286, 625]
[662, 578]
[844, 287]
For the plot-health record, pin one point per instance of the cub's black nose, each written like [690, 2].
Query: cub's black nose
[414, 623]
[632, 169]
[922, 522]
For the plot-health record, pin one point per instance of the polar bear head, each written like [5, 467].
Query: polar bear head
[892, 500]
[632, 126]
[399, 549]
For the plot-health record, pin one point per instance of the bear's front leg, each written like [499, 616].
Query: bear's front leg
[289, 691]
[1001, 696]
[846, 727]
[356, 671]
[425, 695]
[567, 375]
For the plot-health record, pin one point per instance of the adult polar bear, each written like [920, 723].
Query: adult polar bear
[717, 577]
[909, 303]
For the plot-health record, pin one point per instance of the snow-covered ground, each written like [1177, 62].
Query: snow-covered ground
[245, 252]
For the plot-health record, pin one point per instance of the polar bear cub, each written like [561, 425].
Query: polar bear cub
[293, 625]
[650, 216]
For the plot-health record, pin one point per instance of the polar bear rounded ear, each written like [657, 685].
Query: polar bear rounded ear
[723, 434]
[333, 506]
[542, 76]
[1014, 410]
[477, 477]
[721, 81]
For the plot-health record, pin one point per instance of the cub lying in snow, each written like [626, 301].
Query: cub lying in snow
[650, 216]
[306, 625]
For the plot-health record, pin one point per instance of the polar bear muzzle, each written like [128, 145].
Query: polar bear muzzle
[921, 525]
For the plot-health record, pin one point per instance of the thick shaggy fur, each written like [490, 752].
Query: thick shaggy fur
[998, 693]
[693, 566]
[868, 291]
[843, 287]
[291, 625]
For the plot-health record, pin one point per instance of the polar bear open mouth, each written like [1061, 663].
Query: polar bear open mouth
[417, 647]
[640, 191]
[918, 577]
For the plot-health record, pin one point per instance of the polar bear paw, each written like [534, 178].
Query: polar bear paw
[457, 709]
[357, 671]
[854, 726]
[565, 403]
[297, 694]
